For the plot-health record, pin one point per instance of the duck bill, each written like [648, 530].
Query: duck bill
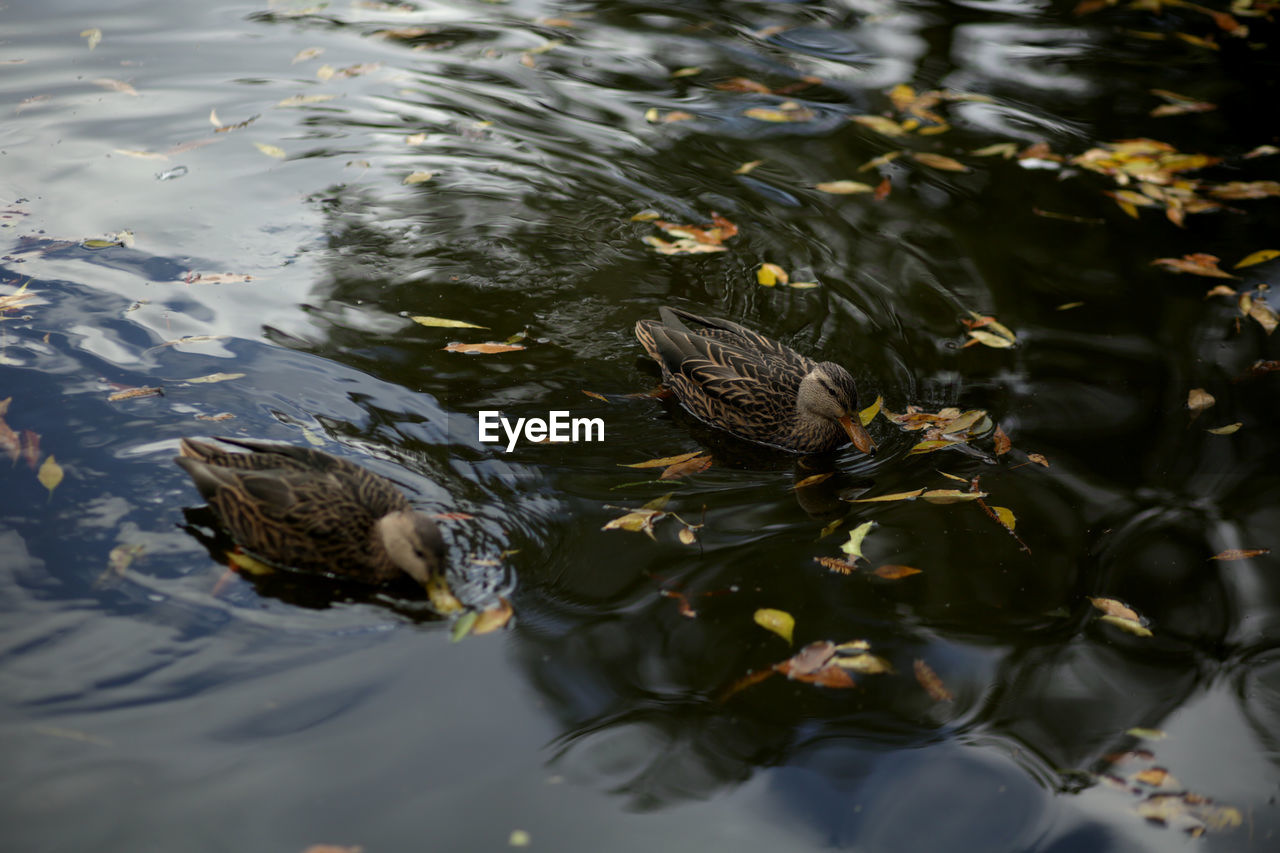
[858, 434]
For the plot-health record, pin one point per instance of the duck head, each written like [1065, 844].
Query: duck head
[413, 543]
[828, 393]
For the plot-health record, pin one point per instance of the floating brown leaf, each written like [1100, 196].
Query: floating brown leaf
[1002, 443]
[1198, 400]
[1197, 263]
[939, 161]
[835, 564]
[895, 572]
[1246, 189]
[1240, 553]
[930, 681]
[483, 349]
[844, 187]
[685, 467]
[664, 461]
[951, 496]
[131, 393]
[814, 479]
[1038, 458]
[896, 496]
[494, 618]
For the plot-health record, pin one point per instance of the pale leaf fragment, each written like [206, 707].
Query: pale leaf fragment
[779, 622]
[444, 323]
[50, 474]
[854, 546]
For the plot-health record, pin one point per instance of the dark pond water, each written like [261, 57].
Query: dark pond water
[162, 705]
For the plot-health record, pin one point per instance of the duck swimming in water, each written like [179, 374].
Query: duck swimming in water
[298, 507]
[752, 386]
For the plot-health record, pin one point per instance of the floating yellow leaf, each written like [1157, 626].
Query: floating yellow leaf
[686, 535]
[844, 187]
[1115, 613]
[305, 54]
[771, 274]
[1146, 734]
[689, 71]
[443, 323]
[214, 377]
[93, 36]
[989, 339]
[779, 622]
[685, 467]
[854, 546]
[1259, 257]
[116, 85]
[50, 474]
[664, 461]
[785, 112]
[1003, 149]
[880, 124]
[896, 496]
[868, 414]
[485, 349]
[951, 496]
[1038, 458]
[939, 161]
[1226, 430]
[271, 150]
[930, 446]
[814, 479]
[748, 167]
[417, 177]
[1005, 516]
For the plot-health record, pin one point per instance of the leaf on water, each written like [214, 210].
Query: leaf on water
[1038, 458]
[664, 461]
[1198, 400]
[1002, 443]
[863, 663]
[1156, 777]
[930, 446]
[688, 71]
[303, 100]
[593, 395]
[488, 621]
[989, 339]
[1176, 104]
[305, 54]
[687, 536]
[779, 622]
[686, 467]
[939, 161]
[1240, 553]
[17, 299]
[482, 349]
[93, 36]
[844, 187]
[896, 496]
[748, 167]
[789, 111]
[214, 377]
[835, 564]
[116, 85]
[880, 124]
[1245, 189]
[772, 274]
[1197, 263]
[814, 665]
[1225, 430]
[1067, 306]
[1259, 257]
[951, 496]
[30, 442]
[131, 393]
[217, 278]
[831, 527]
[443, 323]
[1146, 734]
[222, 416]
[1005, 516]
[636, 521]
[883, 160]
[893, 572]
[1264, 314]
[141, 155]
[1112, 607]
[854, 546]
[814, 479]
[692, 239]
[50, 474]
[462, 627]
[271, 150]
[929, 680]
[867, 415]
[419, 177]
[1002, 149]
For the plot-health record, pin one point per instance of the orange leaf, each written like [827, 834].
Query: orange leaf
[893, 573]
[930, 681]
[1003, 444]
[686, 467]
[836, 565]
[1197, 263]
[485, 349]
[1240, 553]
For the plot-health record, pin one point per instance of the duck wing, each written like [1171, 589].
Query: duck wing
[726, 331]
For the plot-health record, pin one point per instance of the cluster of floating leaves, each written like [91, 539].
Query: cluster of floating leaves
[25, 446]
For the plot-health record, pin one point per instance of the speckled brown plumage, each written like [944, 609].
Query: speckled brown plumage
[752, 386]
[298, 507]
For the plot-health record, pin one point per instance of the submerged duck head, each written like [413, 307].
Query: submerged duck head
[829, 393]
[413, 543]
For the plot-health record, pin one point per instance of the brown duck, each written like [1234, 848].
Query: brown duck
[298, 507]
[752, 386]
